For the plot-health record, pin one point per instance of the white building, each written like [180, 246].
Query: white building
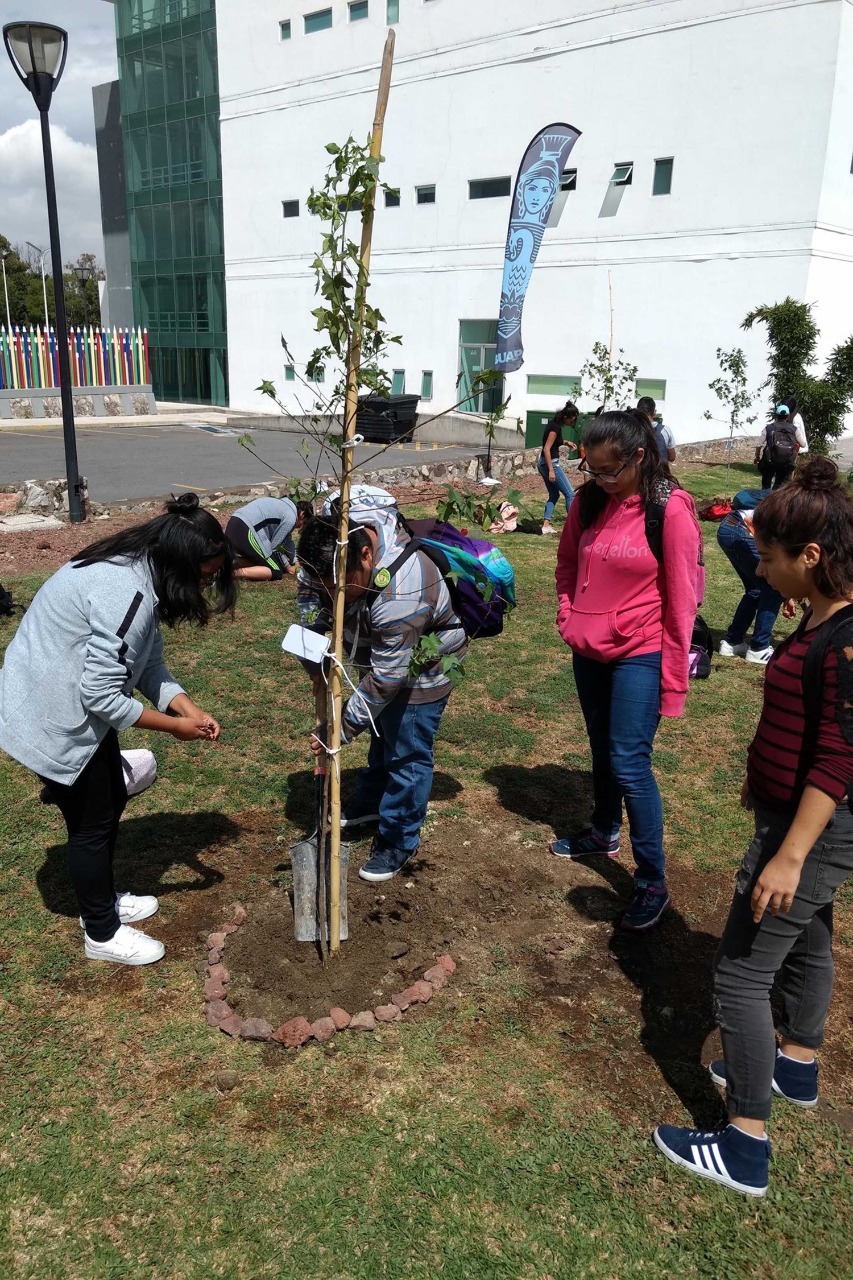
[738, 112]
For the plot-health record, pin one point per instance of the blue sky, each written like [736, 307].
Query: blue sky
[91, 60]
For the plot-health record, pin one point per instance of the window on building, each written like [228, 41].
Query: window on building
[425, 195]
[319, 375]
[290, 208]
[392, 12]
[477, 347]
[284, 31]
[321, 20]
[623, 174]
[545, 384]
[348, 204]
[654, 387]
[289, 373]
[569, 180]
[392, 199]
[398, 382]
[426, 384]
[359, 10]
[489, 188]
[662, 181]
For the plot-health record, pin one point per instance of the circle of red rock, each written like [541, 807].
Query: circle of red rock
[298, 1031]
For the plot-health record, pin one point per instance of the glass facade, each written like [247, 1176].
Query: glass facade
[170, 129]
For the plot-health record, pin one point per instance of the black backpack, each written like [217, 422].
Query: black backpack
[838, 632]
[7, 604]
[782, 444]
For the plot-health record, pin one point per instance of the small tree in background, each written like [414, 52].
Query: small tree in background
[792, 337]
[732, 391]
[605, 380]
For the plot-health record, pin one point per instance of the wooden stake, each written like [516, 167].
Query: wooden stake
[350, 410]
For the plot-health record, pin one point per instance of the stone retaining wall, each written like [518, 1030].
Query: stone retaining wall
[89, 402]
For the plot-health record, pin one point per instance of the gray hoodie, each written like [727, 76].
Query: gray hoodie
[89, 638]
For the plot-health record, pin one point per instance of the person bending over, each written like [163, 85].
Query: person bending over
[90, 638]
[402, 695]
[261, 537]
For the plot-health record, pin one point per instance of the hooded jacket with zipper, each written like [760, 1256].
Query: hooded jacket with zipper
[616, 601]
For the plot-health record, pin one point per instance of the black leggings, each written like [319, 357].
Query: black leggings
[245, 544]
[92, 807]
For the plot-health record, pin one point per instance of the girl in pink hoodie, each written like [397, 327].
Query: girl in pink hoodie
[628, 620]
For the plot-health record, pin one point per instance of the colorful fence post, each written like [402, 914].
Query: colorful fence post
[29, 360]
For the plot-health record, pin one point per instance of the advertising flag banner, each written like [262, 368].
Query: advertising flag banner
[536, 190]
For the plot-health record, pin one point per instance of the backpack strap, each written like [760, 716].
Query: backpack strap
[654, 514]
[841, 622]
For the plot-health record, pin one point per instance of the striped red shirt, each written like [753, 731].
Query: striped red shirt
[773, 767]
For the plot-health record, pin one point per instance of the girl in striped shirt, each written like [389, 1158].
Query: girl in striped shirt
[798, 775]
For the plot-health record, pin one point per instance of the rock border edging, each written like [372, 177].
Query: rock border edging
[298, 1031]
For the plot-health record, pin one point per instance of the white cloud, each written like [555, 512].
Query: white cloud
[91, 60]
[23, 208]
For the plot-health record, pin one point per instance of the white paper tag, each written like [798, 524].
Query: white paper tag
[305, 644]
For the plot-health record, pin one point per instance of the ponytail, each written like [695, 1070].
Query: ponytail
[813, 506]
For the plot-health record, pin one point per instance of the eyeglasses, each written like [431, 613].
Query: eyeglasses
[607, 476]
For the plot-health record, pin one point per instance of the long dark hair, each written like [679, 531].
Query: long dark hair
[568, 413]
[813, 506]
[318, 547]
[175, 544]
[625, 431]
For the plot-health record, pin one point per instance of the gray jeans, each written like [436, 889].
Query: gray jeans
[794, 949]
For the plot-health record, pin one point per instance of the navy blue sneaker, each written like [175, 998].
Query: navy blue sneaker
[794, 1081]
[588, 843]
[729, 1156]
[383, 864]
[646, 908]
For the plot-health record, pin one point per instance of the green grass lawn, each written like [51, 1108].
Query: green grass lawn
[468, 1142]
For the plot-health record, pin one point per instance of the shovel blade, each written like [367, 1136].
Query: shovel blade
[303, 861]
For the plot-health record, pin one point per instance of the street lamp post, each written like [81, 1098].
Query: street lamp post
[42, 254]
[37, 53]
[84, 275]
[3, 256]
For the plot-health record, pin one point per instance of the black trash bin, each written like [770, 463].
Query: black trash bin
[387, 419]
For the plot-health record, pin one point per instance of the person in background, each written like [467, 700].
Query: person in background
[664, 437]
[778, 446]
[90, 637]
[628, 620]
[548, 466]
[799, 424]
[261, 537]
[798, 773]
[760, 603]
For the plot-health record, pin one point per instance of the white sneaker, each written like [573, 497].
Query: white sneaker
[129, 946]
[761, 656]
[733, 650]
[547, 528]
[132, 908]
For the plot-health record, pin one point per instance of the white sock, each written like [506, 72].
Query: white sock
[799, 1061]
[764, 1137]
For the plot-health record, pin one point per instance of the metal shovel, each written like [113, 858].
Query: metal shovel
[310, 881]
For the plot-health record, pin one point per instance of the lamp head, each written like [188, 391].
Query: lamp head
[37, 52]
[83, 274]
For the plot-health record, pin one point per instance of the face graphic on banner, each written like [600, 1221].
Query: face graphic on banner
[535, 192]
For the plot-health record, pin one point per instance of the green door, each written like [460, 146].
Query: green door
[535, 425]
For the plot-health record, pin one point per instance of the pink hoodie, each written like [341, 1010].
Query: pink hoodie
[616, 601]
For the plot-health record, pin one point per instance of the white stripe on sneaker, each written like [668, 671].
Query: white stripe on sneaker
[718, 1161]
[697, 1160]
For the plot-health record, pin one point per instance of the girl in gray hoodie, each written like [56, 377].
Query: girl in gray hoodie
[90, 638]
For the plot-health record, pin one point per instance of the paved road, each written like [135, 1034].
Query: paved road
[123, 463]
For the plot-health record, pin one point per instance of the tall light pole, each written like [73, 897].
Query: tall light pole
[37, 53]
[3, 256]
[42, 253]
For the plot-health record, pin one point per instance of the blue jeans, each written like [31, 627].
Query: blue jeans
[760, 603]
[621, 706]
[398, 779]
[560, 486]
